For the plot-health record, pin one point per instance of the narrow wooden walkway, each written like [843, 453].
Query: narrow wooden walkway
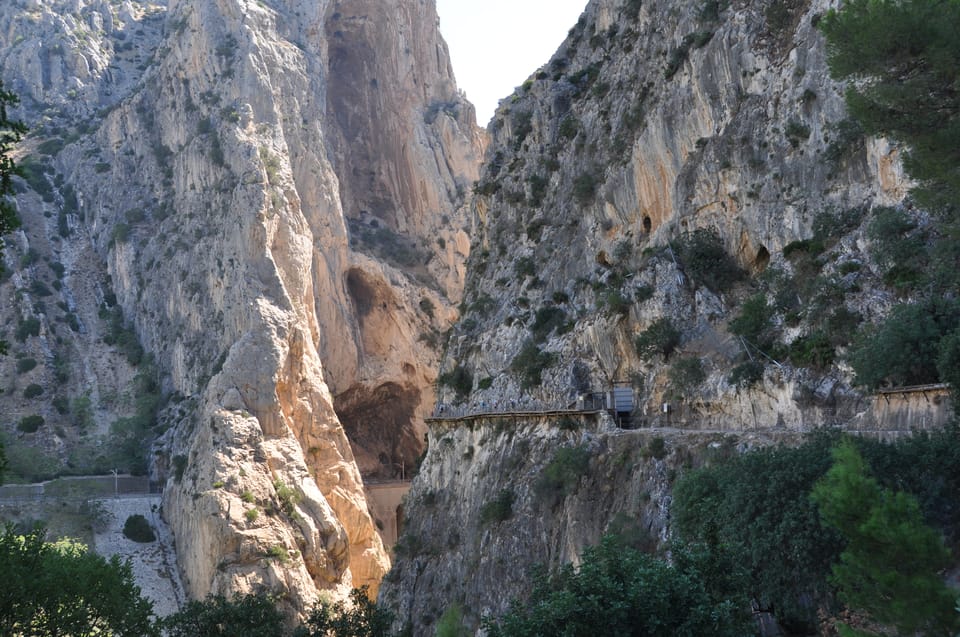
[481, 415]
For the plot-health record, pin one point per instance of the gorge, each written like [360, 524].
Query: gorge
[267, 256]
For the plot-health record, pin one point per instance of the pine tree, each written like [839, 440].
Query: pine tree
[904, 59]
[890, 570]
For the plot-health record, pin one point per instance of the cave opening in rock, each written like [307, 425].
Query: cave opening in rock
[647, 224]
[379, 422]
[362, 293]
[762, 260]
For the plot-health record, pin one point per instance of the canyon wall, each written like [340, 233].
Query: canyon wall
[651, 122]
[656, 126]
[251, 215]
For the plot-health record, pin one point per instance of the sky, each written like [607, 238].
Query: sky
[497, 44]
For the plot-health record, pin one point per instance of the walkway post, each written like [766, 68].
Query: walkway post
[116, 492]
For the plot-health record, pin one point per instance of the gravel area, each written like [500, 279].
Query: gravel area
[154, 564]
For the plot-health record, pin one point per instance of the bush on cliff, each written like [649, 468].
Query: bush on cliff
[757, 507]
[618, 590]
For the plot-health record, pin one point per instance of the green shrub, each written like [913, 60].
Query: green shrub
[615, 301]
[30, 424]
[656, 448]
[706, 261]
[538, 190]
[529, 364]
[26, 328]
[661, 337]
[61, 404]
[685, 375]
[746, 374]
[32, 391]
[525, 266]
[778, 15]
[50, 146]
[677, 57]
[39, 288]
[569, 127]
[846, 138]
[948, 361]
[618, 590]
[499, 509]
[841, 325]
[796, 132]
[179, 466]
[253, 614]
[289, 497]
[807, 246]
[408, 545]
[814, 350]
[137, 528]
[460, 379]
[427, 307]
[562, 474]
[546, 320]
[903, 350]
[251, 514]
[642, 293]
[24, 365]
[121, 336]
[585, 188]
[271, 165]
[279, 553]
[522, 123]
[758, 506]
[450, 623]
[754, 322]
[828, 226]
[896, 247]
[710, 9]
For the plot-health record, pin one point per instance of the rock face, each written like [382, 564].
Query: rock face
[209, 177]
[652, 121]
[463, 546]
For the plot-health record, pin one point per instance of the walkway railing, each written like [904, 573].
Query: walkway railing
[81, 488]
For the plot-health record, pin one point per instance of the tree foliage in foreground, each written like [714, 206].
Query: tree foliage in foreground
[618, 590]
[905, 349]
[891, 566]
[61, 589]
[904, 58]
[359, 618]
[218, 616]
[757, 507]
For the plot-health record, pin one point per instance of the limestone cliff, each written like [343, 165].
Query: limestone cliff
[653, 120]
[228, 251]
[505, 494]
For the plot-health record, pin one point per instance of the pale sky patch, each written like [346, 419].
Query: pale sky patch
[497, 44]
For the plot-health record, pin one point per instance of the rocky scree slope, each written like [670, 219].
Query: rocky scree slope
[232, 265]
